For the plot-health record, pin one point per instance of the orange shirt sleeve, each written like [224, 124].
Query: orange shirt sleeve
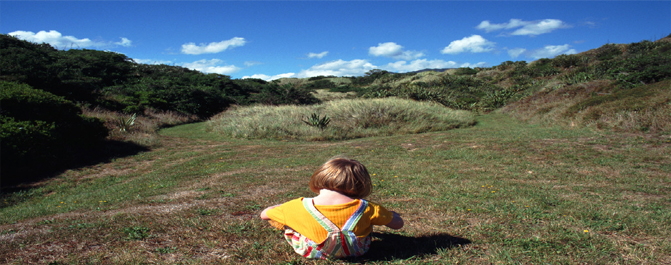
[279, 213]
[378, 214]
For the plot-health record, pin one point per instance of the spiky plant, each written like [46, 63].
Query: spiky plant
[316, 121]
[126, 124]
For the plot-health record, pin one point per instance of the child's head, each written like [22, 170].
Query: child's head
[343, 175]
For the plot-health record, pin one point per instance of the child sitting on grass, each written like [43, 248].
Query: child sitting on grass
[336, 223]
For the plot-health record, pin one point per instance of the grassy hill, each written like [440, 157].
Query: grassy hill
[502, 191]
[562, 160]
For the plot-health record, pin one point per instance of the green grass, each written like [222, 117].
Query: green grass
[499, 192]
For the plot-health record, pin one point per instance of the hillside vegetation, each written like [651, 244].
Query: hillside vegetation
[623, 87]
[500, 192]
[556, 161]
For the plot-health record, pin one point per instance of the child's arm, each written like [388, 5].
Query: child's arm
[263, 214]
[396, 222]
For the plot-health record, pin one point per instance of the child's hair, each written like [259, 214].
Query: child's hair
[343, 175]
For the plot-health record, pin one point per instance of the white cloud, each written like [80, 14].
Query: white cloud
[544, 26]
[258, 76]
[338, 68]
[393, 50]
[471, 65]
[57, 40]
[524, 27]
[419, 64]
[474, 44]
[212, 66]
[513, 23]
[550, 51]
[516, 52]
[150, 61]
[387, 49]
[359, 67]
[213, 47]
[317, 55]
[124, 42]
[270, 78]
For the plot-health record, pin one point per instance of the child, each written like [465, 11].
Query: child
[336, 223]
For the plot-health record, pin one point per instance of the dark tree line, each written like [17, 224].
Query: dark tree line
[43, 90]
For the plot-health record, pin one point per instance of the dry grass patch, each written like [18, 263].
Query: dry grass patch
[349, 119]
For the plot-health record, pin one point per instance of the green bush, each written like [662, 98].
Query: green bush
[274, 94]
[608, 52]
[320, 84]
[465, 71]
[37, 127]
[347, 88]
[510, 64]
[568, 61]
[542, 68]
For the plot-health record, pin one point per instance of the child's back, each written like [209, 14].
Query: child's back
[337, 223]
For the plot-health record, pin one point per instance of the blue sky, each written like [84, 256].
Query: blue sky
[272, 39]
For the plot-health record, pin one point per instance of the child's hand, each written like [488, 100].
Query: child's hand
[396, 221]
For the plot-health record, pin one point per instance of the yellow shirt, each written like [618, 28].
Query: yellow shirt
[294, 215]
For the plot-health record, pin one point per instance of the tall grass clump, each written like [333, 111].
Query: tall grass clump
[349, 119]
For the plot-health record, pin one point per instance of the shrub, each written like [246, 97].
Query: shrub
[496, 99]
[644, 69]
[37, 127]
[316, 121]
[465, 71]
[542, 68]
[608, 52]
[320, 84]
[567, 61]
[274, 94]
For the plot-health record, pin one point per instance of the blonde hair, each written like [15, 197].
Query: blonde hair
[343, 175]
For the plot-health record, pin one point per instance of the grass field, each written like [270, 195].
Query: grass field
[501, 192]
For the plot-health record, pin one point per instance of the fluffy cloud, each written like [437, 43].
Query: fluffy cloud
[419, 64]
[513, 23]
[317, 55]
[338, 68]
[393, 50]
[531, 28]
[57, 40]
[212, 66]
[474, 44]
[550, 51]
[516, 52]
[542, 27]
[270, 78]
[480, 64]
[359, 67]
[124, 42]
[213, 47]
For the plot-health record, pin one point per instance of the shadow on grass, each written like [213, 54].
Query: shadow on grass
[19, 175]
[387, 246]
